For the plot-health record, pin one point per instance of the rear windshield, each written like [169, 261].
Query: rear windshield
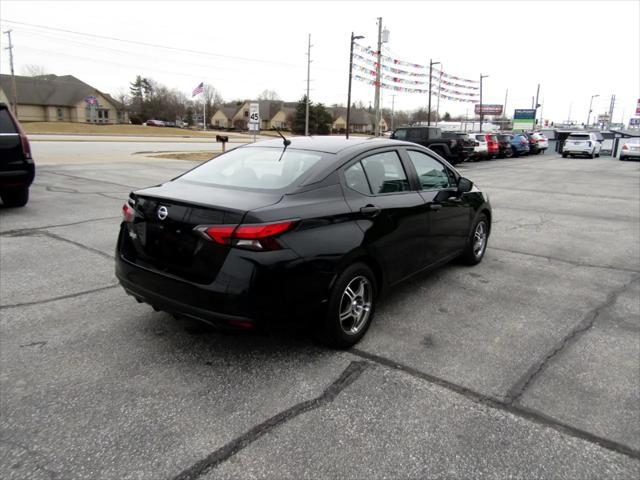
[579, 136]
[6, 124]
[255, 167]
[504, 137]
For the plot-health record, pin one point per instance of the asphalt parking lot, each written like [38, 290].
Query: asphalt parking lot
[526, 366]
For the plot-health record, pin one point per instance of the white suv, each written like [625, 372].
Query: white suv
[581, 143]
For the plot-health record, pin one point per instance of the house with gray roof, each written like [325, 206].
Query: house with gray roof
[273, 114]
[53, 98]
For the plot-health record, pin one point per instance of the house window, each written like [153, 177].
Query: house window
[60, 114]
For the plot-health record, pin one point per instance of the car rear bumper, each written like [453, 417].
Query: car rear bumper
[18, 176]
[251, 289]
[630, 153]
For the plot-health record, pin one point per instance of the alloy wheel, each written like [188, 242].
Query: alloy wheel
[355, 305]
[479, 239]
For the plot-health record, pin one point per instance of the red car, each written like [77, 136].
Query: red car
[493, 146]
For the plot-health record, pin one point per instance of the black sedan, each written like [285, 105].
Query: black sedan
[308, 229]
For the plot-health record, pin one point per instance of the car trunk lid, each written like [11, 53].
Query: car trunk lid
[161, 235]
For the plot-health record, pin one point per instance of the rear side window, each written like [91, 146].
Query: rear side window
[432, 174]
[385, 173]
[6, 124]
[400, 134]
[255, 167]
[356, 179]
[481, 138]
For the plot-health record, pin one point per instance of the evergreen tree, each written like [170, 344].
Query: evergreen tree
[322, 120]
[299, 118]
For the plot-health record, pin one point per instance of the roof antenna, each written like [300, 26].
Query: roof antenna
[286, 144]
[285, 141]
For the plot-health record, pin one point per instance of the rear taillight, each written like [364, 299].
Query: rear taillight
[625, 147]
[259, 236]
[26, 148]
[128, 212]
[523, 141]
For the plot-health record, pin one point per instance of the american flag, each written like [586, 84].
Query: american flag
[198, 90]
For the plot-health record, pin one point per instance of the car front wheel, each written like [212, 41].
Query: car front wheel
[477, 242]
[351, 307]
[15, 197]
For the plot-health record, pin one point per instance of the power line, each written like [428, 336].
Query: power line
[152, 45]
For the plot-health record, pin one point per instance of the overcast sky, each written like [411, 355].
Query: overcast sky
[573, 49]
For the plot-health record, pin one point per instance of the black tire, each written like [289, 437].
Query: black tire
[508, 153]
[565, 155]
[597, 155]
[471, 255]
[331, 330]
[590, 155]
[622, 158]
[15, 197]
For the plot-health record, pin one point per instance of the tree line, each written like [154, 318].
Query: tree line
[148, 99]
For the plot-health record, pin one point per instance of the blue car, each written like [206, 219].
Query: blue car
[519, 144]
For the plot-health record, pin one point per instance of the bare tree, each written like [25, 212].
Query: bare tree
[269, 95]
[33, 70]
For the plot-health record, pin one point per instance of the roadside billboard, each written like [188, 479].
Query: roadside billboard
[488, 109]
[524, 119]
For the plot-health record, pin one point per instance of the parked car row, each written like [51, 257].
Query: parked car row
[458, 147]
[507, 145]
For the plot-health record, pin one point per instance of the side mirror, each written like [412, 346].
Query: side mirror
[464, 185]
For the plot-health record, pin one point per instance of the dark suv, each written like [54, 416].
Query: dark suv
[16, 165]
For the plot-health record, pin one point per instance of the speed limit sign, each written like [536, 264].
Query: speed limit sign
[254, 113]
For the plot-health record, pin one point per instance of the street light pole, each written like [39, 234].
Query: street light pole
[306, 113]
[376, 103]
[353, 38]
[431, 64]
[393, 104]
[590, 105]
[481, 112]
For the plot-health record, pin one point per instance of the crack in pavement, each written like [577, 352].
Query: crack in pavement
[563, 260]
[222, 454]
[520, 386]
[492, 402]
[18, 231]
[61, 297]
[92, 179]
[44, 233]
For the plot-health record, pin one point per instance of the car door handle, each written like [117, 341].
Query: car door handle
[370, 210]
[435, 206]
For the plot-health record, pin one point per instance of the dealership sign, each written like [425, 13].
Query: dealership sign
[488, 109]
[524, 119]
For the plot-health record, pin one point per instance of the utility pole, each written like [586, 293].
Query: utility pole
[569, 116]
[13, 76]
[481, 110]
[536, 108]
[504, 111]
[438, 104]
[306, 114]
[376, 103]
[353, 39]
[590, 105]
[431, 64]
[611, 107]
[393, 104]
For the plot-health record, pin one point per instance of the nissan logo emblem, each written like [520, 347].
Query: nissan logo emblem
[162, 212]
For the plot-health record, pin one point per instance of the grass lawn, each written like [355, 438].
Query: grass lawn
[93, 129]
